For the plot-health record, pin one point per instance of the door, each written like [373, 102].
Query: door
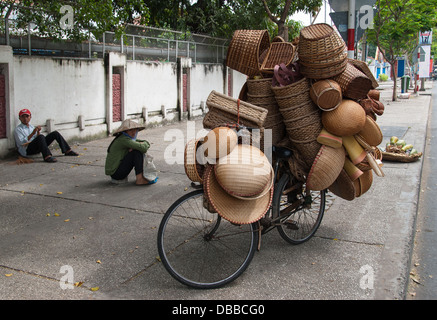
[116, 97]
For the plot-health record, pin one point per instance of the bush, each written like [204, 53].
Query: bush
[383, 77]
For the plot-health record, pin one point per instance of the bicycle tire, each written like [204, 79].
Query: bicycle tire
[302, 223]
[196, 257]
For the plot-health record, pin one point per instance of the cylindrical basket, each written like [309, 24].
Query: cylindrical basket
[354, 84]
[245, 51]
[326, 94]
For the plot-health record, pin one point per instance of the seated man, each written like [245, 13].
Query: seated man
[29, 141]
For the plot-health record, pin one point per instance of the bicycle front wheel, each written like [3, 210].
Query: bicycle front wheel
[299, 222]
[199, 248]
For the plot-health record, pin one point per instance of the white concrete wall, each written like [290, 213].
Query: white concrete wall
[74, 96]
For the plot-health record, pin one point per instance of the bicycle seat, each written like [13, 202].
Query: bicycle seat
[282, 153]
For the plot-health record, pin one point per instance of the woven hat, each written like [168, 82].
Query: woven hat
[245, 172]
[127, 125]
[233, 209]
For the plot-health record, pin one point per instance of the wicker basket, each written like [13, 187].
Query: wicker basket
[193, 169]
[279, 52]
[326, 94]
[343, 186]
[292, 90]
[364, 68]
[363, 183]
[307, 150]
[298, 111]
[319, 41]
[321, 52]
[224, 109]
[400, 157]
[261, 87]
[326, 167]
[354, 84]
[246, 50]
[324, 73]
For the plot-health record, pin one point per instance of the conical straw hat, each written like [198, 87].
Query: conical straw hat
[127, 125]
[230, 208]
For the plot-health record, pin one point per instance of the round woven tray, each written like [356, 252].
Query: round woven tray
[398, 157]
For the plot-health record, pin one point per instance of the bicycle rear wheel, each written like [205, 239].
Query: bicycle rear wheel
[199, 248]
[299, 223]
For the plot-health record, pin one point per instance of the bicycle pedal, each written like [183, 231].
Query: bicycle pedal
[290, 224]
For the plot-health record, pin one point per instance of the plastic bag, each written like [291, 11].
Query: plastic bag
[149, 169]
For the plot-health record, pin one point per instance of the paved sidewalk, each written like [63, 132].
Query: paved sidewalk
[66, 221]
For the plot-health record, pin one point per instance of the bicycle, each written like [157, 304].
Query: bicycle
[202, 250]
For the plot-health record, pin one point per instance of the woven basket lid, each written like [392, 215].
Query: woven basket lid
[233, 209]
[371, 132]
[245, 172]
[219, 142]
[363, 183]
[347, 119]
[329, 139]
[326, 167]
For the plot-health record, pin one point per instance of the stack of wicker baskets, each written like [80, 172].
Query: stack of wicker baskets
[298, 90]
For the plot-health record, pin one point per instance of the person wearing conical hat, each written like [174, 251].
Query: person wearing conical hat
[126, 152]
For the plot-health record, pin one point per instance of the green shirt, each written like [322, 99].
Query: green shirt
[119, 149]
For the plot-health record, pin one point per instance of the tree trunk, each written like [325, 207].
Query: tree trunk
[394, 74]
[283, 30]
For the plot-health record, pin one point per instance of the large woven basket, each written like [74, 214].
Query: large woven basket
[321, 52]
[292, 90]
[260, 87]
[354, 84]
[246, 50]
[326, 167]
[224, 109]
[364, 68]
[298, 111]
[323, 72]
[319, 41]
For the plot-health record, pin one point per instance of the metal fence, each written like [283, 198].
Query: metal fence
[139, 43]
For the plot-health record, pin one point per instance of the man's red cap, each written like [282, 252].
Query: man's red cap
[24, 111]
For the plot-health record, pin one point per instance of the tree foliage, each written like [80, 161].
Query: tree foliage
[397, 25]
[217, 18]
[88, 16]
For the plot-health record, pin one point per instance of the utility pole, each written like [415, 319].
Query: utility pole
[351, 30]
